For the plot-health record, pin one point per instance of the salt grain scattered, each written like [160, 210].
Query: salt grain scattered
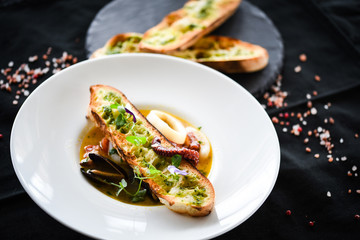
[341, 140]
[21, 77]
[328, 194]
[275, 120]
[309, 104]
[296, 129]
[313, 111]
[297, 69]
[26, 68]
[354, 168]
[275, 99]
[33, 58]
[344, 158]
[303, 57]
[45, 70]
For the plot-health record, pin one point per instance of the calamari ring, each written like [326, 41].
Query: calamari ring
[169, 126]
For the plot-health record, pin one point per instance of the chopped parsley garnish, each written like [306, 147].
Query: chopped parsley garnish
[136, 140]
[120, 121]
[176, 160]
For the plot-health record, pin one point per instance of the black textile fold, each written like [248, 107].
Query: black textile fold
[345, 15]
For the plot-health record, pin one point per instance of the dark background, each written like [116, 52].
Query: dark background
[328, 32]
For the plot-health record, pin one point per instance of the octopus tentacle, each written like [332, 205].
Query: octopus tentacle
[194, 142]
[189, 154]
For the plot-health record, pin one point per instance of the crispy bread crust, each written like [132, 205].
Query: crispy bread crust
[112, 42]
[98, 53]
[191, 37]
[242, 64]
[118, 140]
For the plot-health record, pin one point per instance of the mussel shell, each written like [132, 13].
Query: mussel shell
[102, 169]
[101, 176]
[98, 159]
[105, 171]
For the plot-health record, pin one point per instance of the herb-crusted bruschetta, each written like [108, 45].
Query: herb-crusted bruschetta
[226, 54]
[120, 43]
[222, 53]
[188, 192]
[182, 28]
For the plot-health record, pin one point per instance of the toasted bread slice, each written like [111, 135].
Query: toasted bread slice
[120, 43]
[225, 54]
[192, 194]
[182, 28]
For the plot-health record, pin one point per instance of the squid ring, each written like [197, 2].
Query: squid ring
[168, 125]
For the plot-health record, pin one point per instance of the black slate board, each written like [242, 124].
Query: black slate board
[249, 24]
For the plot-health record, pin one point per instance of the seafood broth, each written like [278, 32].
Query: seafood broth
[95, 135]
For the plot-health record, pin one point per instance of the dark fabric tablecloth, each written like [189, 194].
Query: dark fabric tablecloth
[322, 191]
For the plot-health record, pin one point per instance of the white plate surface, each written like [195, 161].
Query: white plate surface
[47, 131]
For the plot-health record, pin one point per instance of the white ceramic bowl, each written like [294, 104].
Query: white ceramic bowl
[47, 131]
